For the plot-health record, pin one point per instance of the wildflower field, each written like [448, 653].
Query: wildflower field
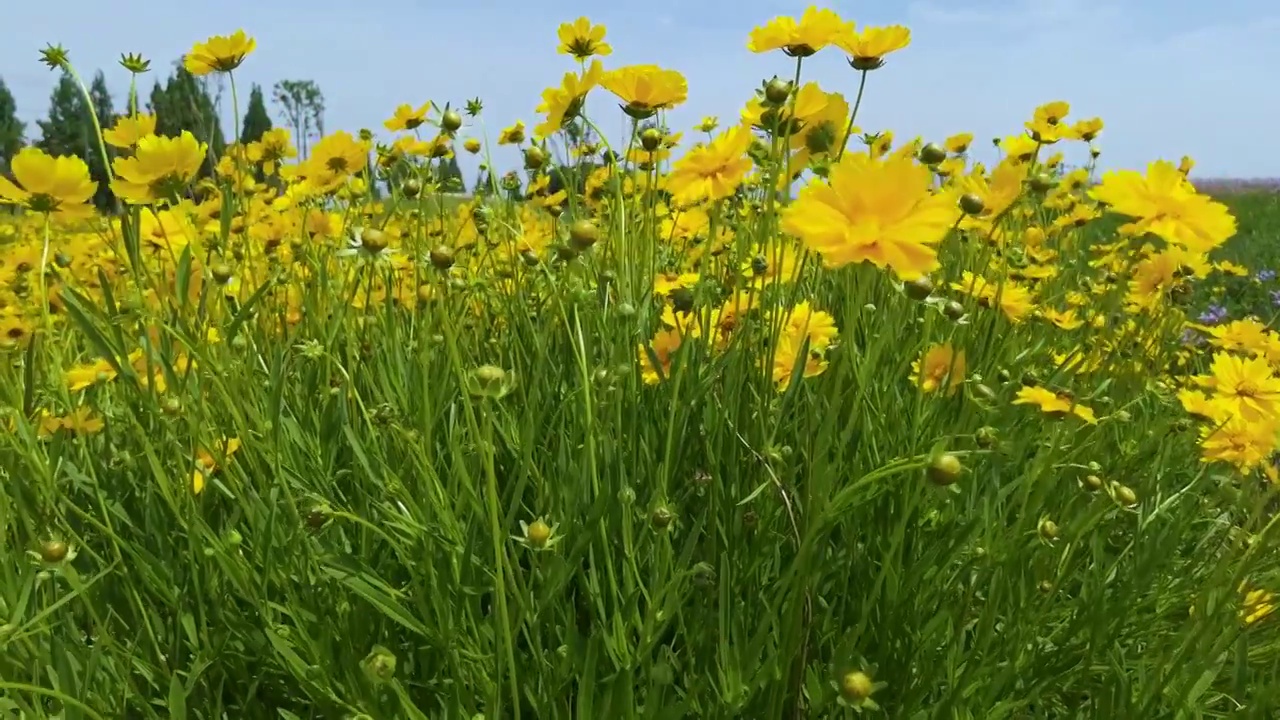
[775, 417]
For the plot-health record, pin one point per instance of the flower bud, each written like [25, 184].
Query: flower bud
[944, 470]
[1048, 529]
[985, 437]
[972, 204]
[651, 139]
[920, 288]
[221, 273]
[442, 257]
[372, 240]
[583, 234]
[534, 157]
[953, 310]
[931, 154]
[450, 121]
[538, 533]
[54, 551]
[661, 517]
[776, 91]
[856, 687]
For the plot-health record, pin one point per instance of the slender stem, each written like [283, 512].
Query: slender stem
[853, 116]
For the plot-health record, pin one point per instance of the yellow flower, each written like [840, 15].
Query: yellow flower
[129, 130]
[335, 158]
[664, 346]
[802, 325]
[206, 464]
[220, 53]
[816, 29]
[513, 135]
[878, 211]
[159, 169]
[581, 39]
[1246, 388]
[959, 143]
[646, 89]
[868, 47]
[1238, 442]
[407, 118]
[83, 376]
[471, 145]
[713, 171]
[562, 104]
[1166, 204]
[48, 184]
[1054, 404]
[939, 368]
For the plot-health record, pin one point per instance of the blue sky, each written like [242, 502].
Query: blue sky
[1169, 77]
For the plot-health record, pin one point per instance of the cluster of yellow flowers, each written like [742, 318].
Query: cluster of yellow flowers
[733, 254]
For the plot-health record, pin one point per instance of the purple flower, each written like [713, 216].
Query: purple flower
[1275, 298]
[1213, 315]
[1192, 338]
[1265, 276]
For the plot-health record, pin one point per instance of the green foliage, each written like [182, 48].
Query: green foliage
[66, 129]
[256, 120]
[11, 128]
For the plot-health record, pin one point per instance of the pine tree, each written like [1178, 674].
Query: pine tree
[449, 175]
[11, 128]
[100, 96]
[67, 130]
[256, 120]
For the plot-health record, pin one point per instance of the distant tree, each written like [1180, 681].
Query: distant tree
[484, 182]
[11, 128]
[65, 131]
[303, 106]
[256, 120]
[449, 175]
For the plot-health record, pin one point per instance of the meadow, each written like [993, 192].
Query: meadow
[769, 418]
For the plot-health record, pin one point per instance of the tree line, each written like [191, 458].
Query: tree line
[182, 102]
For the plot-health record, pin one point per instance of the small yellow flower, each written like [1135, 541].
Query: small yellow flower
[48, 184]
[581, 39]
[220, 53]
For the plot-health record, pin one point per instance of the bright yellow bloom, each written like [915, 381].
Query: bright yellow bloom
[334, 159]
[664, 346]
[803, 328]
[562, 104]
[48, 184]
[816, 29]
[514, 134]
[713, 171]
[129, 130]
[407, 118]
[1167, 205]
[581, 39]
[646, 89]
[939, 368]
[868, 46]
[1053, 404]
[1246, 387]
[878, 211]
[159, 170]
[207, 464]
[220, 53]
